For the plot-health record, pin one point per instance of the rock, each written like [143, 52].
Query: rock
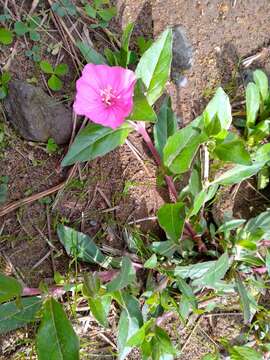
[36, 115]
[182, 52]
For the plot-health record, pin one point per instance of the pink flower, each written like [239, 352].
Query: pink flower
[104, 94]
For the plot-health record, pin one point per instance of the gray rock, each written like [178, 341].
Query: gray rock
[182, 53]
[36, 115]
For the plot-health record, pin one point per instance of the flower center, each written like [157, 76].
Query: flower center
[108, 96]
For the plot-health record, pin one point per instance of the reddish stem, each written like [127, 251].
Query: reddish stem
[140, 128]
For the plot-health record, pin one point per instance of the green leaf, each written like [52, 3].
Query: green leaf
[99, 308]
[55, 83]
[261, 80]
[46, 67]
[205, 273]
[107, 14]
[13, 317]
[164, 342]
[90, 11]
[259, 132]
[171, 218]
[214, 356]
[182, 147]
[3, 92]
[56, 330]
[142, 111]
[154, 66]
[186, 290]
[129, 323]
[231, 225]
[34, 35]
[95, 140]
[9, 288]
[267, 262]
[5, 78]
[233, 151]
[219, 107]
[260, 222]
[165, 248]
[126, 276]
[20, 28]
[61, 69]
[238, 174]
[166, 125]
[244, 353]
[151, 263]
[252, 103]
[243, 299]
[82, 247]
[215, 272]
[199, 201]
[6, 36]
[90, 54]
[126, 36]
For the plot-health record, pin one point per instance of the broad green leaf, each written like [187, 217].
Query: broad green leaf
[231, 225]
[90, 11]
[259, 132]
[61, 69]
[126, 276]
[9, 288]
[13, 317]
[90, 54]
[243, 299]
[233, 151]
[219, 106]
[95, 140]
[262, 155]
[164, 341]
[55, 83]
[171, 218]
[199, 201]
[260, 222]
[165, 248]
[91, 285]
[107, 14]
[244, 353]
[20, 28]
[46, 67]
[56, 330]
[238, 174]
[165, 126]
[34, 35]
[151, 263]
[261, 81]
[215, 273]
[267, 262]
[142, 111]
[182, 147]
[252, 103]
[186, 290]
[82, 247]
[126, 36]
[6, 36]
[154, 66]
[184, 307]
[99, 307]
[205, 273]
[130, 322]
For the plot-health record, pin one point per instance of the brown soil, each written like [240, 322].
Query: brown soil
[119, 188]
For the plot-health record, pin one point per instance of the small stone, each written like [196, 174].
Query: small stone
[36, 115]
[182, 52]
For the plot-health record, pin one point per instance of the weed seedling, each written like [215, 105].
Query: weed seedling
[60, 70]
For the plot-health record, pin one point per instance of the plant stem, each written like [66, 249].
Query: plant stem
[140, 128]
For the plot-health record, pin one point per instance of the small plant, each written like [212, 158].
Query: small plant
[100, 11]
[4, 80]
[28, 27]
[34, 53]
[51, 147]
[60, 70]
